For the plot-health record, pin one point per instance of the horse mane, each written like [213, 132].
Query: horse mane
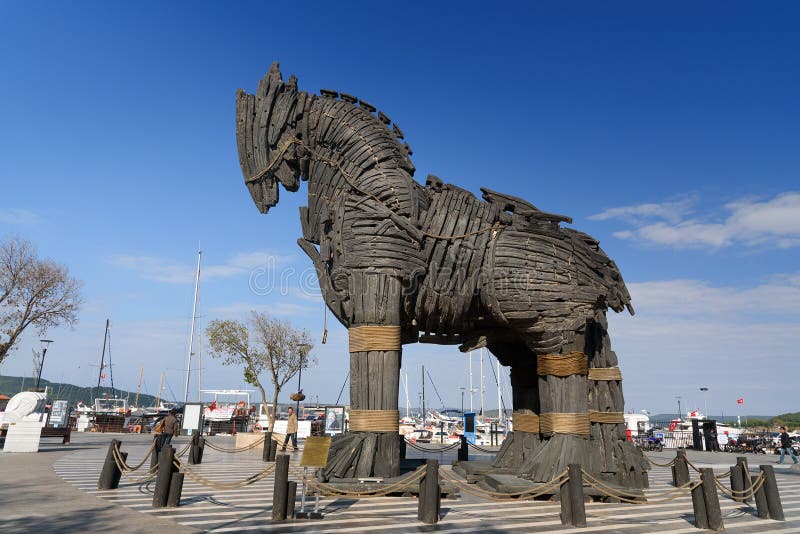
[391, 127]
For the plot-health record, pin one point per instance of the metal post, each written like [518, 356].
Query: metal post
[45, 344]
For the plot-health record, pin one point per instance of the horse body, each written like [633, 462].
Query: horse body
[434, 261]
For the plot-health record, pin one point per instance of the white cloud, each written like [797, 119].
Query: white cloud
[750, 222]
[739, 341]
[173, 272]
[18, 216]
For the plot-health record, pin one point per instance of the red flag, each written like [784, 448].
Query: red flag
[213, 406]
[693, 414]
[740, 401]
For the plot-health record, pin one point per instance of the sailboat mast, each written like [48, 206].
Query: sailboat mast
[424, 415]
[160, 387]
[471, 389]
[499, 395]
[483, 389]
[102, 359]
[139, 386]
[408, 405]
[191, 331]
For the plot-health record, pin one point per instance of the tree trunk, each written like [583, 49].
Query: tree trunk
[274, 409]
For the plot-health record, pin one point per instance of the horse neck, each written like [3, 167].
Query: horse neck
[350, 149]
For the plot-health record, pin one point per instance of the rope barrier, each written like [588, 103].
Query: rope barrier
[481, 449]
[137, 466]
[331, 490]
[373, 337]
[741, 494]
[723, 475]
[121, 466]
[439, 449]
[673, 493]
[253, 445]
[224, 485]
[183, 451]
[545, 489]
[668, 464]
[574, 363]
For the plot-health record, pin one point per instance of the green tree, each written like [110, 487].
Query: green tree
[262, 345]
[33, 292]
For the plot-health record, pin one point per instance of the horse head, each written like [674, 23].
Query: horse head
[268, 137]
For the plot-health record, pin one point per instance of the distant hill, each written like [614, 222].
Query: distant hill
[10, 385]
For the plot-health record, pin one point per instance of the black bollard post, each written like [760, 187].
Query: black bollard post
[463, 451]
[175, 488]
[193, 448]
[577, 506]
[201, 447]
[745, 474]
[279, 492]
[430, 501]
[699, 506]
[291, 496]
[156, 451]
[163, 477]
[761, 498]
[773, 498]
[736, 482]
[680, 469]
[110, 472]
[402, 447]
[267, 444]
[273, 448]
[713, 510]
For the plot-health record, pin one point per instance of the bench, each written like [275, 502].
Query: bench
[64, 433]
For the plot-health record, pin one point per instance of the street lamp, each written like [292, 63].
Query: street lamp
[303, 348]
[45, 344]
[705, 398]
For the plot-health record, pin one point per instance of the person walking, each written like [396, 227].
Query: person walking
[786, 445]
[169, 428]
[291, 430]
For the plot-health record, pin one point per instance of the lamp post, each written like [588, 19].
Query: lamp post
[680, 415]
[705, 398]
[303, 348]
[45, 344]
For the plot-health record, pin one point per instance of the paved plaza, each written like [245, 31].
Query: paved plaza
[56, 491]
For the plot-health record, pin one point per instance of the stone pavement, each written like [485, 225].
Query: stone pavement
[55, 490]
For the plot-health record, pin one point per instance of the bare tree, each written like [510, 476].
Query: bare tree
[33, 292]
[262, 345]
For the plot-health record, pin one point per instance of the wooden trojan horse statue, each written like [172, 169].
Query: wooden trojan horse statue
[400, 263]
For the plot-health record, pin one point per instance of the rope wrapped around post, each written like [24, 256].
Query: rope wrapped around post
[564, 423]
[374, 337]
[526, 422]
[611, 418]
[374, 420]
[605, 373]
[574, 363]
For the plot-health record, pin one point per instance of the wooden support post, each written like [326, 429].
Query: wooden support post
[201, 447]
[429, 494]
[193, 448]
[265, 453]
[736, 482]
[163, 477]
[402, 447]
[463, 450]
[699, 506]
[745, 473]
[281, 488]
[770, 488]
[110, 472]
[175, 488]
[577, 506]
[713, 510]
[291, 496]
[680, 469]
[566, 505]
[761, 498]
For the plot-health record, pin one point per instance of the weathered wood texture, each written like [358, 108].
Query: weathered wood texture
[444, 265]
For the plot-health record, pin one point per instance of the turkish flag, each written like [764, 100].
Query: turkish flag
[740, 401]
[213, 406]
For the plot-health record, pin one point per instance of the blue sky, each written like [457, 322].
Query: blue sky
[669, 132]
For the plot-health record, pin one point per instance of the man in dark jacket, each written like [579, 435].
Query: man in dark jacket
[170, 428]
[786, 445]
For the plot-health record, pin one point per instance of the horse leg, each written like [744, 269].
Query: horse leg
[523, 441]
[372, 447]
